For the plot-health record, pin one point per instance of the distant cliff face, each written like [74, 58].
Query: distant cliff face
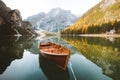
[11, 22]
[106, 12]
[57, 19]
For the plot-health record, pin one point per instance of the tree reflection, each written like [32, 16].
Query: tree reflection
[12, 48]
[101, 51]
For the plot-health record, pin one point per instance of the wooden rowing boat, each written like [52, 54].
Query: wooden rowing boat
[55, 53]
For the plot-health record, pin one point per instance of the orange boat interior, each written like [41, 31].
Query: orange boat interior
[53, 48]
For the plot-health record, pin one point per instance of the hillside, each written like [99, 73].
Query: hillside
[102, 18]
[55, 20]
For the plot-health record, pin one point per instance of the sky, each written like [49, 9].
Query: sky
[32, 7]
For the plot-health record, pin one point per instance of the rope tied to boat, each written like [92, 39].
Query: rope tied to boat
[72, 71]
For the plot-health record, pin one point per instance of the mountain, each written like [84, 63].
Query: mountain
[55, 20]
[11, 22]
[102, 18]
[35, 19]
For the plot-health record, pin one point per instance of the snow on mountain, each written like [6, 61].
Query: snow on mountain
[55, 20]
[35, 19]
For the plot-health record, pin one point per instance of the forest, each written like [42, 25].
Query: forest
[100, 19]
[94, 28]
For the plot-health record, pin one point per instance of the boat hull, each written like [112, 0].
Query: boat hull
[60, 60]
[55, 53]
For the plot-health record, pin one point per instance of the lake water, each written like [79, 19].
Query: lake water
[90, 59]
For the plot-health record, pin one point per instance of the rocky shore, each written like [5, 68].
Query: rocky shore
[11, 22]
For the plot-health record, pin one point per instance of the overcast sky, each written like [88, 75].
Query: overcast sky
[31, 7]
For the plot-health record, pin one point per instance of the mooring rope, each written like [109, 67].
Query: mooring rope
[72, 71]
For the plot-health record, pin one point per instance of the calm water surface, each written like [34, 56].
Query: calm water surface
[90, 59]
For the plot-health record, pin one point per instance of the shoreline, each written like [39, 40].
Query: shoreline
[99, 35]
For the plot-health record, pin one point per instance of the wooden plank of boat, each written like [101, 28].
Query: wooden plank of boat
[55, 53]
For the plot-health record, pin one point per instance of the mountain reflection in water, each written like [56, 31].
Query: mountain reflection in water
[101, 51]
[12, 48]
[90, 59]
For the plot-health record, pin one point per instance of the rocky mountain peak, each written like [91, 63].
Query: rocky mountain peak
[56, 19]
[107, 3]
[11, 22]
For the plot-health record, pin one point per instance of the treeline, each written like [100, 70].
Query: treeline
[93, 28]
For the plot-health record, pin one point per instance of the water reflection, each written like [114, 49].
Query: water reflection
[83, 69]
[52, 71]
[102, 52]
[12, 48]
[98, 56]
